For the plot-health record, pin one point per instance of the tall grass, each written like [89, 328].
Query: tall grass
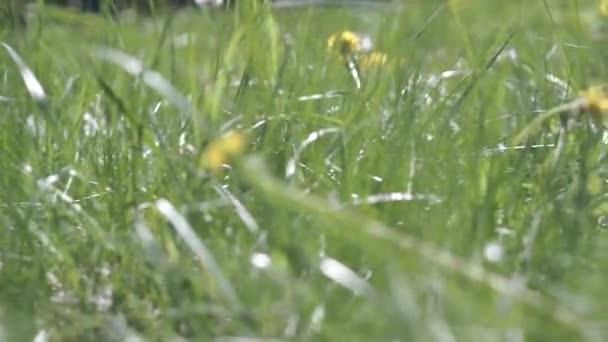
[398, 211]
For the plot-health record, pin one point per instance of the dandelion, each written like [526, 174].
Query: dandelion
[594, 100]
[222, 150]
[373, 59]
[356, 48]
[349, 43]
[604, 8]
[355, 51]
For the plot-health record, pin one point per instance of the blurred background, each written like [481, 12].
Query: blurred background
[153, 5]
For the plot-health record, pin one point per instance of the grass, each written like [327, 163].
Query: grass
[386, 213]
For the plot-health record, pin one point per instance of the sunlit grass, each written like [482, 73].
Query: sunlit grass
[221, 175]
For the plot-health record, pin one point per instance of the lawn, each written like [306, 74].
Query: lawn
[223, 175]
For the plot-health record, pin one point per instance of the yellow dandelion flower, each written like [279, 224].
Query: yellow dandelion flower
[214, 158]
[377, 59]
[222, 150]
[595, 100]
[604, 7]
[373, 59]
[348, 42]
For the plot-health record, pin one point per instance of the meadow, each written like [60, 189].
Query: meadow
[223, 175]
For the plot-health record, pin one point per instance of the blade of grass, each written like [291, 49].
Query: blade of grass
[31, 82]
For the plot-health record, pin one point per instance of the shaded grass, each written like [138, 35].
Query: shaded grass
[86, 253]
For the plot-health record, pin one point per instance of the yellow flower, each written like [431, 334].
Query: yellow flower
[222, 150]
[595, 100]
[373, 59]
[348, 43]
[355, 51]
[604, 7]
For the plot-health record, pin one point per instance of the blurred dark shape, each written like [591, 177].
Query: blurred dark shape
[12, 14]
[90, 5]
[85, 5]
[97, 5]
[147, 6]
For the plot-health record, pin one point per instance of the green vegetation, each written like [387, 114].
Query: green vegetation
[385, 213]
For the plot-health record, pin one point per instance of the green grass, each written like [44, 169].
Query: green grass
[111, 230]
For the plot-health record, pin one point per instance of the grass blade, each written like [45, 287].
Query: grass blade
[196, 245]
[151, 78]
[31, 82]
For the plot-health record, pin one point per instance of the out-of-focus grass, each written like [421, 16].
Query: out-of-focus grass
[393, 212]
